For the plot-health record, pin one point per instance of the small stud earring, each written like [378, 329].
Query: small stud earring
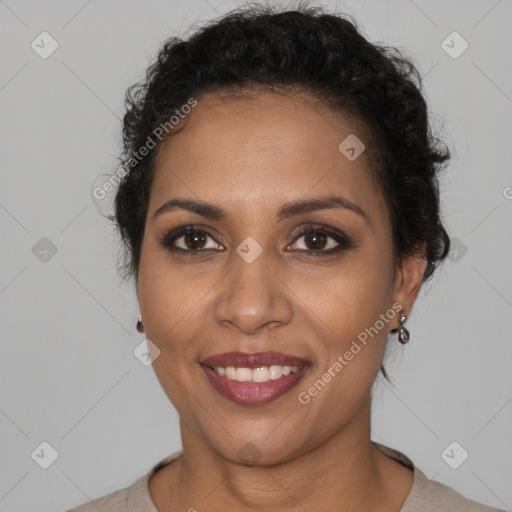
[139, 326]
[403, 333]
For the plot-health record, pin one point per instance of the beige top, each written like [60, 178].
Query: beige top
[425, 495]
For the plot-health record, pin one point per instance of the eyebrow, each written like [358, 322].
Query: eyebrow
[288, 210]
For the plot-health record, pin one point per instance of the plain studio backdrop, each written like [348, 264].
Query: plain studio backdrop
[71, 386]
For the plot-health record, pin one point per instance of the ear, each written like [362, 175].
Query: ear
[136, 286]
[408, 281]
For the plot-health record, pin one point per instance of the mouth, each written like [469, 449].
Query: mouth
[254, 379]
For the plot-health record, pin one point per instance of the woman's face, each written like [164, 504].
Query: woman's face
[245, 281]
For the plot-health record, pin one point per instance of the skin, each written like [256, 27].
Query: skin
[250, 156]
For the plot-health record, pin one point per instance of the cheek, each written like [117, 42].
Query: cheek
[170, 306]
[353, 296]
[172, 312]
[170, 300]
[345, 313]
[350, 342]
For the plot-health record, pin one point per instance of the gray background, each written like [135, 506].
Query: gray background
[68, 375]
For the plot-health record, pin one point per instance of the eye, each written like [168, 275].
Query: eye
[316, 241]
[189, 239]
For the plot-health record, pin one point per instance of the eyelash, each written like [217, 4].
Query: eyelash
[344, 242]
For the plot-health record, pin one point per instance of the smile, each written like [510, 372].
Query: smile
[254, 379]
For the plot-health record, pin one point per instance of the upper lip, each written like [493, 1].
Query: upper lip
[254, 360]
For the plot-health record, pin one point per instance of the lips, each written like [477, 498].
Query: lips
[254, 393]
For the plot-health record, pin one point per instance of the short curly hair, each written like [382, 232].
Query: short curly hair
[263, 47]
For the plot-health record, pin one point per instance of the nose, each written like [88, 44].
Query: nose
[253, 297]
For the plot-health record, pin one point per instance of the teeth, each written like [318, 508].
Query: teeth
[243, 374]
[261, 374]
[276, 372]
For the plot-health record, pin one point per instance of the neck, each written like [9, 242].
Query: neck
[345, 473]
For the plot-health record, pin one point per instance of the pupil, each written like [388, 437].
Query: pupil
[317, 239]
[194, 238]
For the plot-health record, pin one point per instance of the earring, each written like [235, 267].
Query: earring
[403, 333]
[139, 326]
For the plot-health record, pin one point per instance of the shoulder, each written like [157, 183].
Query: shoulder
[128, 499]
[113, 502]
[429, 495]
[432, 496]
[135, 497]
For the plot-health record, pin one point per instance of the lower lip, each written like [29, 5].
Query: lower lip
[253, 393]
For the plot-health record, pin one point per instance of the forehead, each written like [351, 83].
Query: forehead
[262, 149]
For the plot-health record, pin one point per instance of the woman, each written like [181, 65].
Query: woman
[280, 212]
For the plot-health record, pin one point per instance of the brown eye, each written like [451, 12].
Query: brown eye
[194, 240]
[321, 241]
[315, 240]
[189, 239]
